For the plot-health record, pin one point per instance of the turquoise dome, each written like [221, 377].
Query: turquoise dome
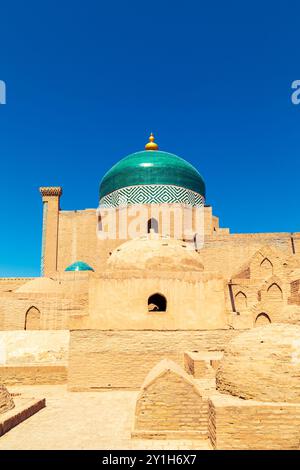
[79, 266]
[152, 168]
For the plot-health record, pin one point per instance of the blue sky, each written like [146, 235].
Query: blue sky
[87, 82]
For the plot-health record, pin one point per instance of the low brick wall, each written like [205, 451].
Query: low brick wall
[240, 424]
[121, 359]
[33, 374]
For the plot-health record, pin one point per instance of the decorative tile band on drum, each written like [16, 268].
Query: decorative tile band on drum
[152, 194]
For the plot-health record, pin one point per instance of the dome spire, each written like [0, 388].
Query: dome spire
[151, 145]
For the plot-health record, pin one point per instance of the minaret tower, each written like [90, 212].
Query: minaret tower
[51, 198]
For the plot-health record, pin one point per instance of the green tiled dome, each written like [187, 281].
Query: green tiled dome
[152, 168]
[79, 266]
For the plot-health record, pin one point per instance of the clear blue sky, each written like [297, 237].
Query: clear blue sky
[87, 82]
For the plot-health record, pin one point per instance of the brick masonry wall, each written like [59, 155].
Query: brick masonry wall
[55, 310]
[253, 425]
[199, 366]
[77, 238]
[122, 359]
[33, 374]
[224, 253]
[170, 403]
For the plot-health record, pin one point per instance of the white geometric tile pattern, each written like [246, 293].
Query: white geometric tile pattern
[152, 194]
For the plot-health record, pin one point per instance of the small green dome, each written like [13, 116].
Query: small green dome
[152, 168]
[79, 266]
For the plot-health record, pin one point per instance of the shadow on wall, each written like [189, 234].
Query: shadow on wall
[152, 224]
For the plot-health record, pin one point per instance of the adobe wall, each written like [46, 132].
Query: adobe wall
[122, 359]
[34, 347]
[33, 357]
[120, 301]
[249, 425]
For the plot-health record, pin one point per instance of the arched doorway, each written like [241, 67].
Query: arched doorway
[157, 303]
[32, 319]
[262, 319]
[152, 224]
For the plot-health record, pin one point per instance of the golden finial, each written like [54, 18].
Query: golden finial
[151, 144]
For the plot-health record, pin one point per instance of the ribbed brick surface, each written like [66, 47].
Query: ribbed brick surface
[263, 364]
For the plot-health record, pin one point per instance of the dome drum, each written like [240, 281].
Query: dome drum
[152, 194]
[149, 177]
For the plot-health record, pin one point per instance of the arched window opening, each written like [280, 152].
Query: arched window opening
[240, 301]
[152, 224]
[32, 319]
[262, 319]
[157, 303]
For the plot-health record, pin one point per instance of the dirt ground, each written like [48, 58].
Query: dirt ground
[83, 420]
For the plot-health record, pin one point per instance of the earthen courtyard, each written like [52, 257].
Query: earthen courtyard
[84, 421]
